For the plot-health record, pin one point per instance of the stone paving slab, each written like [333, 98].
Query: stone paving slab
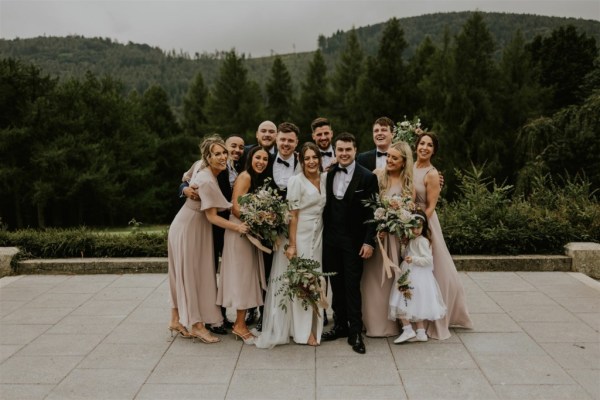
[536, 336]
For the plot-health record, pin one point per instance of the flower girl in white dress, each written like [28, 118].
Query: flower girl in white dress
[425, 299]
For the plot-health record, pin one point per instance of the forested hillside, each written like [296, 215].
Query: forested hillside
[139, 66]
[94, 132]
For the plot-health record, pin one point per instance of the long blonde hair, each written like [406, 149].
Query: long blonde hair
[406, 174]
[207, 145]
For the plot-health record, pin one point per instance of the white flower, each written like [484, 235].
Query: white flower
[379, 213]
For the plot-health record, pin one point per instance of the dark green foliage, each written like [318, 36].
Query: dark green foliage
[564, 58]
[485, 219]
[82, 242]
[194, 107]
[314, 96]
[235, 103]
[385, 89]
[345, 104]
[280, 91]
[567, 144]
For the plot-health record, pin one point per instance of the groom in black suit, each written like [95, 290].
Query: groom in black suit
[347, 240]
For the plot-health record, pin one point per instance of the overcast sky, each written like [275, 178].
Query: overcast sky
[252, 27]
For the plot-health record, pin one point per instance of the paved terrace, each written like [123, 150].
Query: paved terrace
[105, 337]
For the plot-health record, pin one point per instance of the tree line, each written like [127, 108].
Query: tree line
[85, 151]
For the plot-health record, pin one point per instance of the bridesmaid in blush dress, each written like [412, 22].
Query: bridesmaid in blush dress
[427, 189]
[242, 277]
[395, 179]
[192, 280]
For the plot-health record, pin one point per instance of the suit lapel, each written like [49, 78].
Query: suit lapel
[329, 184]
[353, 183]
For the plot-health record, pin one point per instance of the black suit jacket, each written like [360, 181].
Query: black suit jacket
[368, 159]
[362, 187]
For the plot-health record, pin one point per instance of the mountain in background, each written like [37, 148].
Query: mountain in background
[139, 66]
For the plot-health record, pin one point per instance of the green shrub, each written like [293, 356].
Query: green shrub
[484, 219]
[82, 242]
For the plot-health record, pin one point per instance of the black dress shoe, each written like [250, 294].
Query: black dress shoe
[335, 333]
[251, 316]
[219, 330]
[227, 324]
[357, 343]
[258, 326]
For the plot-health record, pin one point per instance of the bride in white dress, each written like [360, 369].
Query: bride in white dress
[306, 197]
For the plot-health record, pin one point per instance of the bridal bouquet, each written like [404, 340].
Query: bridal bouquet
[407, 131]
[303, 281]
[392, 214]
[266, 214]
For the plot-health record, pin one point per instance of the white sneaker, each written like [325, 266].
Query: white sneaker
[406, 335]
[421, 336]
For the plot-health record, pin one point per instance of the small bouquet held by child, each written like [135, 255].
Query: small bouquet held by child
[392, 214]
[267, 216]
[304, 281]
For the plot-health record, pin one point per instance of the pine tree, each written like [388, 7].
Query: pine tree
[387, 83]
[194, 104]
[345, 81]
[279, 92]
[564, 59]
[235, 102]
[480, 130]
[314, 95]
[521, 96]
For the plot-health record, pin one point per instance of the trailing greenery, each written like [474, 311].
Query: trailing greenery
[83, 242]
[484, 219]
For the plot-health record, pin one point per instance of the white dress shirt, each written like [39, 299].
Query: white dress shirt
[281, 172]
[341, 181]
[380, 161]
[327, 160]
[232, 172]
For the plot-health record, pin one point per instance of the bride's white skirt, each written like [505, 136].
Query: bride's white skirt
[279, 325]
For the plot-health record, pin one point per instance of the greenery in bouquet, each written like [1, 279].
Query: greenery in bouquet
[305, 282]
[266, 214]
[392, 214]
[407, 131]
[403, 285]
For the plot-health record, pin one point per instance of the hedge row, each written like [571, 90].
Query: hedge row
[486, 219]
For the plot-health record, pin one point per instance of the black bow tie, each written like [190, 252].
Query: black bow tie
[280, 161]
[326, 153]
[381, 154]
[338, 169]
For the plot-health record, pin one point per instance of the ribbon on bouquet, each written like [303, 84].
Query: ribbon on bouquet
[322, 296]
[388, 265]
[258, 244]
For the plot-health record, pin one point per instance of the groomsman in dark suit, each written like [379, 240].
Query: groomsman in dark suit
[383, 131]
[322, 135]
[235, 149]
[347, 240]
